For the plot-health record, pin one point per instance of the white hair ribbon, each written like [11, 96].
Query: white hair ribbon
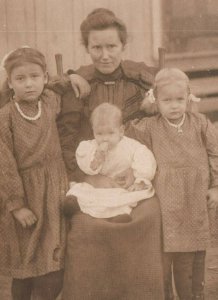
[150, 96]
[193, 98]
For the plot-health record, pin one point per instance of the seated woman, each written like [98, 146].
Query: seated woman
[108, 260]
[109, 154]
[113, 80]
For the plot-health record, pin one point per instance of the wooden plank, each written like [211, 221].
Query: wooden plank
[16, 29]
[204, 86]
[3, 30]
[3, 39]
[54, 26]
[30, 22]
[139, 28]
[60, 31]
[79, 53]
[41, 40]
[208, 105]
[193, 61]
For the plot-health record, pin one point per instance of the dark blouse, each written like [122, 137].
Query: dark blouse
[125, 87]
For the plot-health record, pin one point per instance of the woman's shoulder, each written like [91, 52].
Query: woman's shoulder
[138, 71]
[87, 72]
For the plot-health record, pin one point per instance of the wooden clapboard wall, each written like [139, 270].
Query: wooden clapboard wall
[53, 27]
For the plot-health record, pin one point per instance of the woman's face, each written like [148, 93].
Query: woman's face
[105, 49]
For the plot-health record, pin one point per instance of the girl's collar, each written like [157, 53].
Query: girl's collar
[36, 117]
[177, 126]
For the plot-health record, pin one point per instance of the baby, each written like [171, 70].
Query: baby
[110, 154]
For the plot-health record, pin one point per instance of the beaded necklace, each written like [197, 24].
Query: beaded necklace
[177, 126]
[36, 117]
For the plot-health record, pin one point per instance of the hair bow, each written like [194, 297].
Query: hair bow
[193, 98]
[151, 98]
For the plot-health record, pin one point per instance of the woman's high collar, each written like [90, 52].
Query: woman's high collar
[115, 75]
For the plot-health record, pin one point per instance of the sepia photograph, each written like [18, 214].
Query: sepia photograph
[108, 150]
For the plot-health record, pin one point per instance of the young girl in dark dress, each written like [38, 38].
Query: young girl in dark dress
[185, 145]
[33, 180]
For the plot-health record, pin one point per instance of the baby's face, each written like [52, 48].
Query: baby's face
[109, 132]
[172, 100]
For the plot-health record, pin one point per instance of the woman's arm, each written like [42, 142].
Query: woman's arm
[80, 86]
[71, 82]
[69, 127]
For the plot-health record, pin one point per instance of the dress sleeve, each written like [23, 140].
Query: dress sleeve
[53, 100]
[11, 186]
[143, 165]
[139, 72]
[85, 155]
[210, 136]
[62, 85]
[69, 125]
[59, 85]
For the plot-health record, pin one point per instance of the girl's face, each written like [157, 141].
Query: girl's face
[109, 132]
[172, 100]
[27, 81]
[105, 49]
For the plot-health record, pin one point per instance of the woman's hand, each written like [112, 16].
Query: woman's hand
[80, 86]
[212, 197]
[24, 216]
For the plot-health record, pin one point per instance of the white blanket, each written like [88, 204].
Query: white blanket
[106, 203]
